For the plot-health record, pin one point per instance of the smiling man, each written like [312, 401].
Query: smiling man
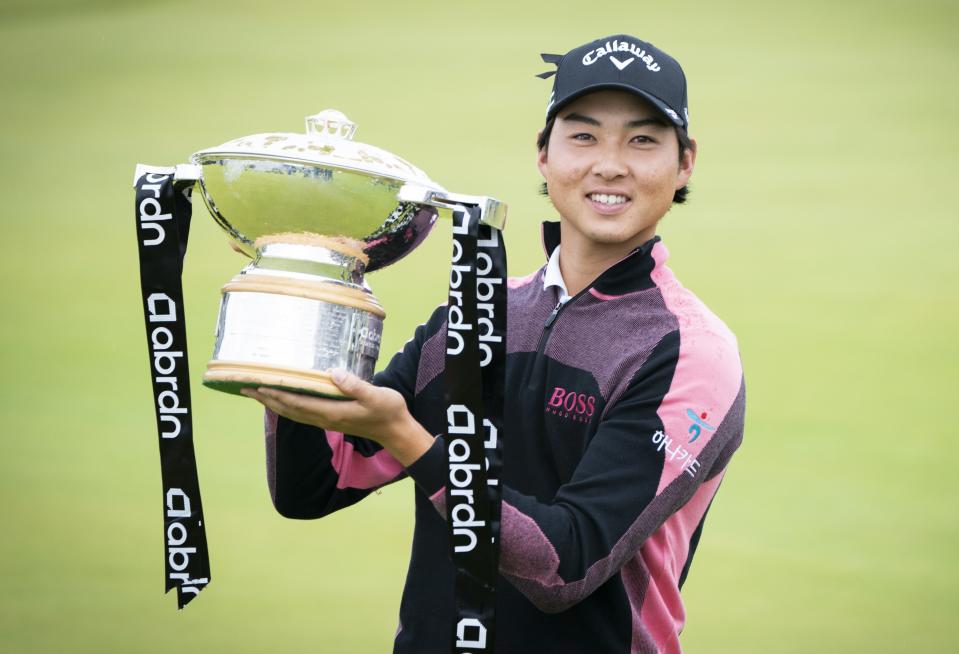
[625, 396]
[613, 166]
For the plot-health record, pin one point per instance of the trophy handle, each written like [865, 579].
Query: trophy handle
[181, 172]
[492, 212]
[188, 172]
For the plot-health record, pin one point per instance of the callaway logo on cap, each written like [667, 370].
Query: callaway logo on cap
[619, 62]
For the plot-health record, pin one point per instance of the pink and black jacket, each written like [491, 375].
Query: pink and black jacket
[623, 408]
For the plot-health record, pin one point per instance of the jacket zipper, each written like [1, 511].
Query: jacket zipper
[549, 325]
[558, 309]
[552, 316]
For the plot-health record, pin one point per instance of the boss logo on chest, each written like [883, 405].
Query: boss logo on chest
[571, 405]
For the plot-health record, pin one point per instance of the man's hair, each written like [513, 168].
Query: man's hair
[679, 197]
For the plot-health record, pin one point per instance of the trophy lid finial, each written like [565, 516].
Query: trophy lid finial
[331, 124]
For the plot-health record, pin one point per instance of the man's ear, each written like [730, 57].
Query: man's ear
[686, 165]
[541, 156]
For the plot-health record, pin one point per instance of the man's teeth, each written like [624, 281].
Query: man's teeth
[607, 199]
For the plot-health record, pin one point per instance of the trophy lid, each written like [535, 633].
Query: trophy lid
[327, 143]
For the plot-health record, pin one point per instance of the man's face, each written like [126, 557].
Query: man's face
[612, 166]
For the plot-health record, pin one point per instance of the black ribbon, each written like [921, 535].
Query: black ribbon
[475, 375]
[162, 214]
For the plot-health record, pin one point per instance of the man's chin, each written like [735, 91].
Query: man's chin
[610, 238]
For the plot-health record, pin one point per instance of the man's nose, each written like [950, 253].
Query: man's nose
[610, 164]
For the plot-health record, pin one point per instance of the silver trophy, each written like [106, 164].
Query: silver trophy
[315, 211]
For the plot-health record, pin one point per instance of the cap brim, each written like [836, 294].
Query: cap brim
[664, 108]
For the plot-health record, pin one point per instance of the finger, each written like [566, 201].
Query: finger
[330, 414]
[352, 385]
[252, 394]
[271, 403]
[298, 401]
[268, 402]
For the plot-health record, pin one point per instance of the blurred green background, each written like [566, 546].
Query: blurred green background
[822, 227]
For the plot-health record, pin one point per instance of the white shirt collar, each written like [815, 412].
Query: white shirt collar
[553, 276]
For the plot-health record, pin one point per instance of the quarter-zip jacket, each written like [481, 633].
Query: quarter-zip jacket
[623, 408]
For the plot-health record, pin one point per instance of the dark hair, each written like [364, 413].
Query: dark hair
[679, 197]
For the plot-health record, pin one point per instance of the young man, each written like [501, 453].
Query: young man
[625, 394]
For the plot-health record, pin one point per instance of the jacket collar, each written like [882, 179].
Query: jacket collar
[631, 273]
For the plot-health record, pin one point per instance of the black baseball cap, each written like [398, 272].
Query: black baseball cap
[620, 62]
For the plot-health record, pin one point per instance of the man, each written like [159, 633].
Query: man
[624, 394]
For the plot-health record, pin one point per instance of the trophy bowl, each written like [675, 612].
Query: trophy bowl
[315, 211]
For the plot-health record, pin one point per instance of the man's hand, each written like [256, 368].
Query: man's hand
[375, 412]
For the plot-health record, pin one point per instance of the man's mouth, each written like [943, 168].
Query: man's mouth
[608, 199]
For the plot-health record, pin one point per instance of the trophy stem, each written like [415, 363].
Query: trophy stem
[310, 255]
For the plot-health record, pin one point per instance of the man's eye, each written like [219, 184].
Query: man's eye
[642, 138]
[582, 136]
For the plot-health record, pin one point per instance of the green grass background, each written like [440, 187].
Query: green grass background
[822, 228]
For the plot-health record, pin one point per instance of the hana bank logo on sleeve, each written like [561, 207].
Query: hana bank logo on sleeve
[674, 452]
[699, 424]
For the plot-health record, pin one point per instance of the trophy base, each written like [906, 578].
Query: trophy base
[232, 377]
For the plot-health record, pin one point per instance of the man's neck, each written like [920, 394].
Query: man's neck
[581, 261]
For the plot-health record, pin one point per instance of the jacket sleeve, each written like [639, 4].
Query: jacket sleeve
[646, 460]
[313, 472]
